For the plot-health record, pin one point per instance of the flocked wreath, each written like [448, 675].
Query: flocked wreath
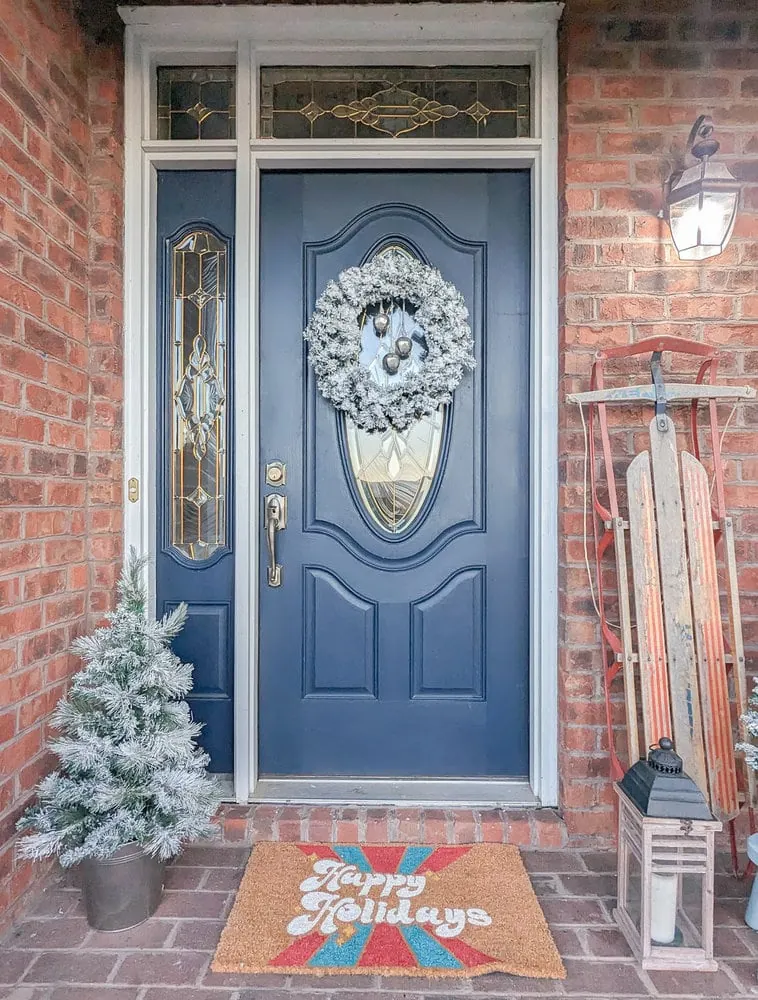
[335, 337]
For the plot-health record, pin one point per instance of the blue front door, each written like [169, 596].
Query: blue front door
[397, 642]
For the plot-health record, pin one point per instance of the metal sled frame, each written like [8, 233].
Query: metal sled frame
[682, 662]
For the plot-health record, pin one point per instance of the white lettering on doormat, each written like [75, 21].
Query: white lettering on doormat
[326, 907]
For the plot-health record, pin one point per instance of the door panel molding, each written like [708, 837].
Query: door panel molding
[457, 34]
[382, 554]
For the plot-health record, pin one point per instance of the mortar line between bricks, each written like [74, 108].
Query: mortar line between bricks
[725, 967]
[32, 958]
[204, 878]
[169, 942]
[204, 970]
[119, 962]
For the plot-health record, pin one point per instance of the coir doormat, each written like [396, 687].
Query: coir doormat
[391, 910]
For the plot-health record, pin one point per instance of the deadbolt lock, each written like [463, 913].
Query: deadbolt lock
[276, 474]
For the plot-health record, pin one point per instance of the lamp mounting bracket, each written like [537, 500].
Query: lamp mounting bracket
[701, 142]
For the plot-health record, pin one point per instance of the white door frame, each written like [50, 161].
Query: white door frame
[413, 34]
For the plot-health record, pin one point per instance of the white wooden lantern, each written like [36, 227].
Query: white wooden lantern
[665, 888]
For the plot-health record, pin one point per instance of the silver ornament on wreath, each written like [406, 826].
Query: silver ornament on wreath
[391, 363]
[403, 347]
[381, 323]
[335, 341]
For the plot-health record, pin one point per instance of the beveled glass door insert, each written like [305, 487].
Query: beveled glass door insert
[393, 470]
[198, 377]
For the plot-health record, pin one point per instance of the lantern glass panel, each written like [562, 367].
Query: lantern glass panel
[634, 891]
[690, 911]
[702, 221]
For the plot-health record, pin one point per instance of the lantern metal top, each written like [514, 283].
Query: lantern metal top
[659, 788]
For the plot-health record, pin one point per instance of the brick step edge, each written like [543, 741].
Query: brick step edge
[247, 824]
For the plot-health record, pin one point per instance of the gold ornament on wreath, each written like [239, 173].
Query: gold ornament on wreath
[421, 368]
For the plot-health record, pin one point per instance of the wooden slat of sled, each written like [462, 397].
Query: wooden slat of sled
[625, 621]
[651, 645]
[675, 392]
[709, 640]
[677, 611]
[737, 646]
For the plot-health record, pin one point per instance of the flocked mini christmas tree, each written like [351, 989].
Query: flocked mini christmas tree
[749, 723]
[130, 769]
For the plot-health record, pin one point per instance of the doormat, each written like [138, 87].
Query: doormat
[387, 910]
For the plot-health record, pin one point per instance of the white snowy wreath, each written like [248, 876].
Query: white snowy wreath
[334, 336]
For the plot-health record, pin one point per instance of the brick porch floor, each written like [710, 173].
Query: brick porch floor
[52, 955]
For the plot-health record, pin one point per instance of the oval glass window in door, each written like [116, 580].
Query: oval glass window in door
[394, 470]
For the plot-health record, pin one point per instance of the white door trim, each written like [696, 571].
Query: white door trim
[414, 34]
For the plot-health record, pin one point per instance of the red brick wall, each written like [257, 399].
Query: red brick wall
[60, 376]
[635, 76]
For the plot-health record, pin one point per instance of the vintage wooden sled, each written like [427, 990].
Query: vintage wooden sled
[688, 668]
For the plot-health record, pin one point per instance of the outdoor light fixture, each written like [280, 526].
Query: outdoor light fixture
[666, 860]
[701, 200]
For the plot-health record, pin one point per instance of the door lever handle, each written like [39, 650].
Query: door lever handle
[275, 520]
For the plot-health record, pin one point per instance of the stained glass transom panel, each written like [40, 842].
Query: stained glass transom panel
[196, 102]
[394, 470]
[199, 334]
[451, 102]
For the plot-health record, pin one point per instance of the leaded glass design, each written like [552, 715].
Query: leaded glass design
[451, 102]
[199, 335]
[196, 102]
[394, 470]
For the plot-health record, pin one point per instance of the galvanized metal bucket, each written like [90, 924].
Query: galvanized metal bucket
[123, 890]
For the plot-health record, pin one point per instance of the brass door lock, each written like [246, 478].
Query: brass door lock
[276, 474]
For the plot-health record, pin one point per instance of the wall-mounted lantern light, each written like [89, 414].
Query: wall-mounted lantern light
[701, 200]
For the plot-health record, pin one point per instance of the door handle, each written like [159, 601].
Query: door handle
[275, 520]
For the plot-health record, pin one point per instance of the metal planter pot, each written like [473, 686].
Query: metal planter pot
[123, 890]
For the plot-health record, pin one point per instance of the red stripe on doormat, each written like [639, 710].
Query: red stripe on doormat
[320, 850]
[441, 858]
[466, 954]
[387, 947]
[299, 951]
[384, 859]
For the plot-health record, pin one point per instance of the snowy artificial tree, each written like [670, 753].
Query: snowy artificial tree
[749, 723]
[130, 770]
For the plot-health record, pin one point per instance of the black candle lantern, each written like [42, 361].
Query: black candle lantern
[659, 787]
[666, 854]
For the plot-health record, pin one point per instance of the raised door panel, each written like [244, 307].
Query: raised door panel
[448, 639]
[339, 638]
[331, 501]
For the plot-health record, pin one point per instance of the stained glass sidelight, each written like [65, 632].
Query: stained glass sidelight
[198, 375]
[451, 102]
[196, 102]
[394, 470]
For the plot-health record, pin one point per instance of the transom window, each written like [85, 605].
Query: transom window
[365, 102]
[196, 102]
